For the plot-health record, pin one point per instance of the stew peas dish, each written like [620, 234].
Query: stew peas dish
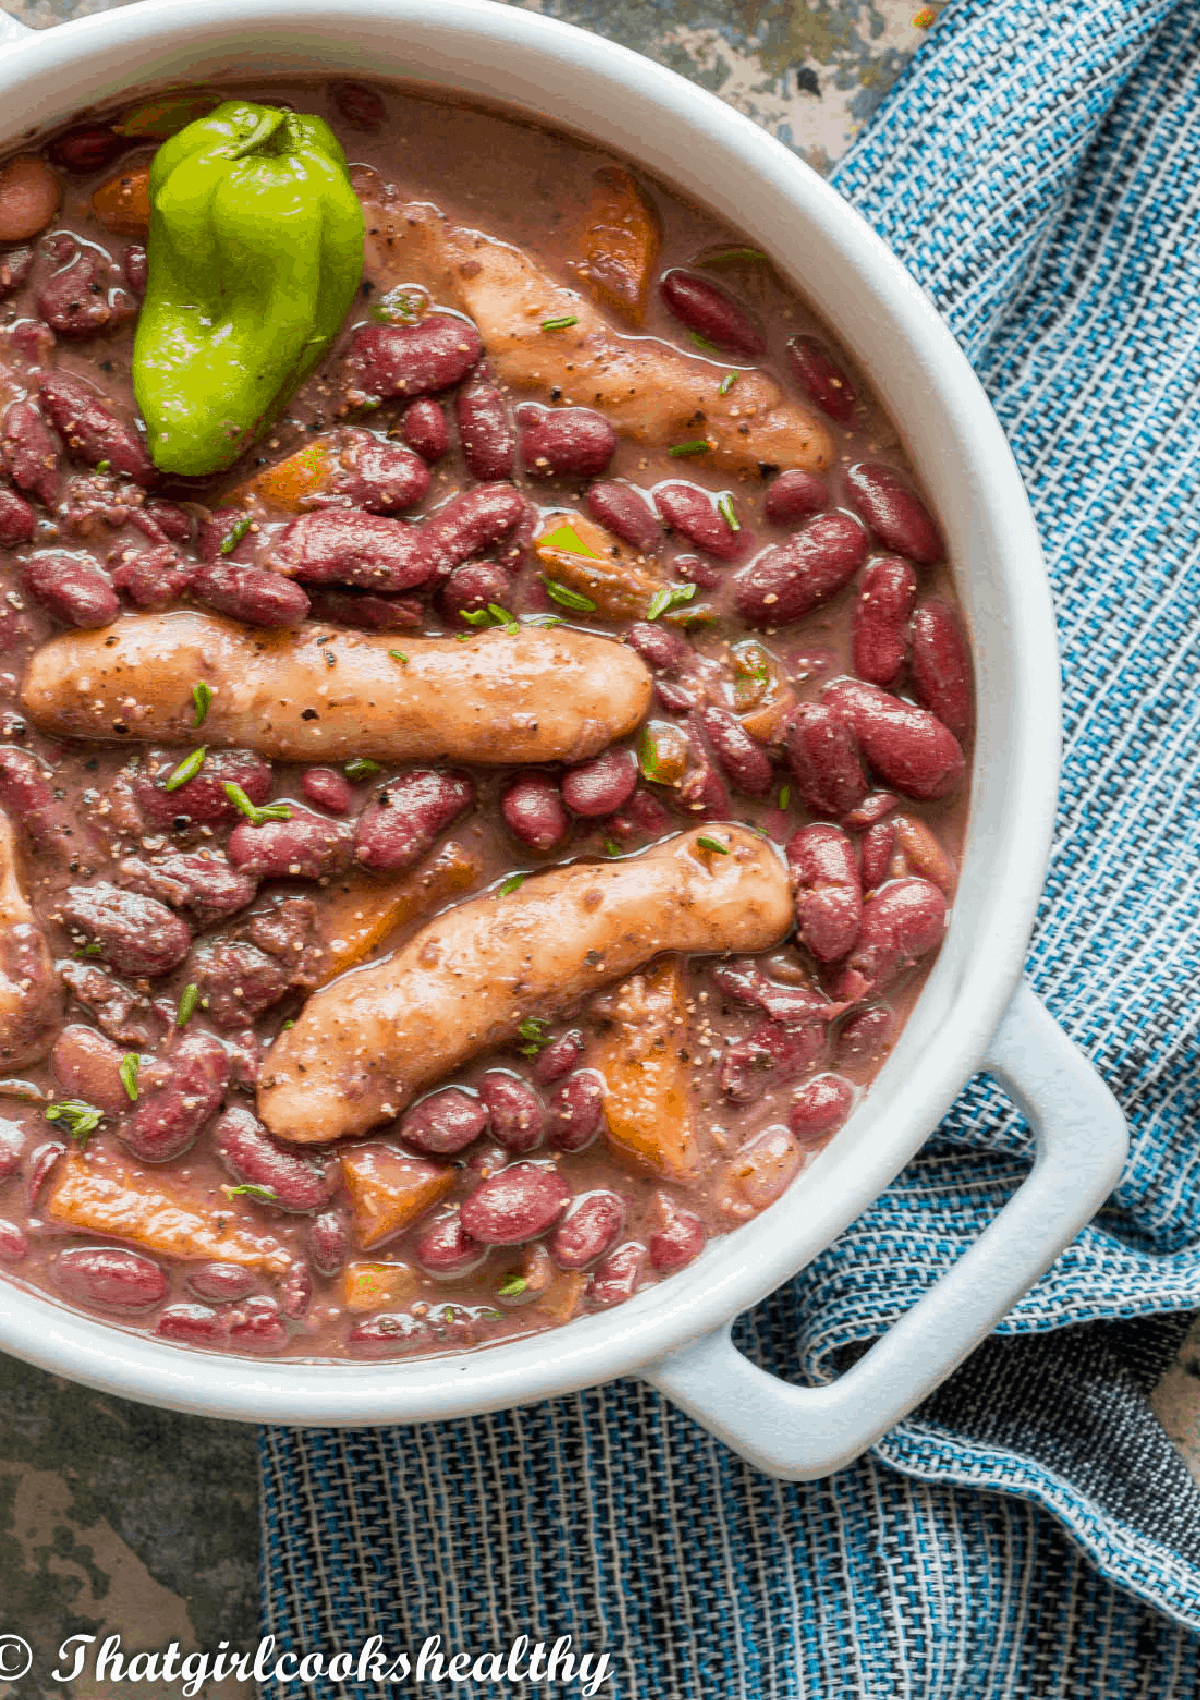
[484, 725]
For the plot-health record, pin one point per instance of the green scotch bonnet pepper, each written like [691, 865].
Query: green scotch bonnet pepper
[254, 256]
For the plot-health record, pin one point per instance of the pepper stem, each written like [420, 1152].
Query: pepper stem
[269, 121]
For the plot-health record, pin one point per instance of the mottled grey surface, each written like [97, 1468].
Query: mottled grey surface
[114, 1517]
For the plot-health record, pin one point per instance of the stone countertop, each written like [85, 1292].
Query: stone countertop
[119, 1519]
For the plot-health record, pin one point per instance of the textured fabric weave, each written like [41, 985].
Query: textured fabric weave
[1028, 1531]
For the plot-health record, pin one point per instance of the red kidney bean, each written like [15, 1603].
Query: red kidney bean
[79, 301]
[328, 789]
[482, 1161]
[865, 1036]
[679, 1241]
[360, 106]
[42, 1162]
[628, 515]
[177, 1097]
[902, 922]
[257, 1327]
[137, 935]
[599, 787]
[881, 616]
[787, 580]
[768, 1056]
[614, 1280]
[695, 571]
[152, 578]
[15, 267]
[576, 1111]
[485, 430]
[327, 1243]
[642, 817]
[221, 1283]
[473, 586]
[445, 1122]
[588, 1229]
[237, 981]
[533, 812]
[407, 815]
[895, 513]
[296, 1291]
[91, 429]
[922, 853]
[30, 451]
[344, 546]
[86, 1065]
[108, 1277]
[17, 521]
[794, 496]
[518, 1204]
[306, 847]
[875, 853]
[821, 378]
[443, 1247]
[820, 1107]
[413, 360]
[702, 791]
[134, 265]
[255, 1158]
[666, 651]
[824, 760]
[744, 763]
[13, 1244]
[469, 524]
[26, 795]
[423, 427]
[363, 612]
[765, 1166]
[710, 313]
[565, 442]
[254, 595]
[381, 477]
[74, 589]
[941, 668]
[870, 810]
[388, 1335]
[515, 1111]
[202, 799]
[12, 1145]
[829, 900]
[689, 510]
[789, 1006]
[907, 746]
[192, 1325]
[86, 148]
[559, 1057]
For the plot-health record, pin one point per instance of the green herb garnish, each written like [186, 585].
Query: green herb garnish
[234, 535]
[647, 755]
[728, 512]
[714, 844]
[399, 655]
[202, 698]
[728, 381]
[104, 466]
[698, 446]
[252, 812]
[670, 596]
[785, 796]
[568, 598]
[703, 342]
[514, 882]
[611, 847]
[76, 1117]
[188, 768]
[541, 620]
[511, 1287]
[264, 1194]
[489, 1313]
[92, 949]
[533, 1031]
[396, 308]
[360, 767]
[561, 324]
[128, 1071]
[568, 540]
[188, 999]
[733, 257]
[503, 618]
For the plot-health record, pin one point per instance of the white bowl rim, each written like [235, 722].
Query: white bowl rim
[580, 81]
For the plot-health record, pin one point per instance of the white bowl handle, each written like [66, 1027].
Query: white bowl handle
[803, 1432]
[11, 30]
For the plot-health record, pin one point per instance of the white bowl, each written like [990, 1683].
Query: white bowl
[676, 1334]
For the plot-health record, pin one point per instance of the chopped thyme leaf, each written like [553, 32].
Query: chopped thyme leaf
[698, 446]
[568, 598]
[399, 655]
[502, 617]
[252, 812]
[728, 512]
[188, 768]
[728, 381]
[128, 1071]
[514, 882]
[561, 324]
[670, 596]
[785, 796]
[77, 1118]
[263, 1194]
[611, 847]
[475, 616]
[533, 1031]
[566, 538]
[733, 257]
[104, 466]
[511, 1287]
[202, 698]
[189, 998]
[703, 342]
[234, 535]
[647, 755]
[360, 767]
[714, 844]
[540, 620]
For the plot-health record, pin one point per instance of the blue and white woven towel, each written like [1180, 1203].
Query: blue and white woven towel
[1028, 1531]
